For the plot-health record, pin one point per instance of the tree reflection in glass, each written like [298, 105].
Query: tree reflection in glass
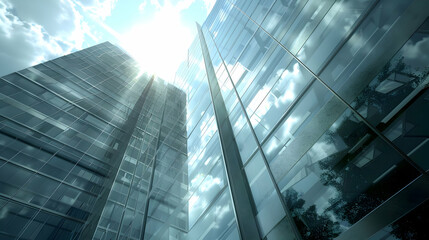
[346, 174]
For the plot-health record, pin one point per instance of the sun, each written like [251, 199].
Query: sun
[159, 45]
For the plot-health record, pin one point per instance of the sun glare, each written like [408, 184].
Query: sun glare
[160, 44]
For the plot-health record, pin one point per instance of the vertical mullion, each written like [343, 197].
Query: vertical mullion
[244, 207]
[152, 175]
[291, 224]
[129, 126]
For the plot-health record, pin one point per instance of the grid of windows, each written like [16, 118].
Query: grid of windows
[59, 125]
[315, 109]
[79, 137]
[153, 162]
[326, 100]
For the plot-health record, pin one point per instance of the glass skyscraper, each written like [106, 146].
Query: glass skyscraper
[84, 138]
[320, 109]
[289, 119]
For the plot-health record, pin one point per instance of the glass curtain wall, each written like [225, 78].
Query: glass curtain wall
[92, 148]
[61, 123]
[327, 101]
[208, 201]
[153, 162]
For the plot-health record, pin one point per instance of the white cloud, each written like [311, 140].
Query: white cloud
[34, 32]
[142, 6]
[210, 182]
[156, 3]
[99, 8]
[180, 5]
[209, 5]
[185, 4]
[414, 53]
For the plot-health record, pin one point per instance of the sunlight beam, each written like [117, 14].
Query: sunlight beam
[159, 45]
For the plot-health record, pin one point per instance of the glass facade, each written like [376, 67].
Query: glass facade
[289, 119]
[326, 106]
[84, 138]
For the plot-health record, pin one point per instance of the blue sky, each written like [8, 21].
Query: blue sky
[157, 33]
